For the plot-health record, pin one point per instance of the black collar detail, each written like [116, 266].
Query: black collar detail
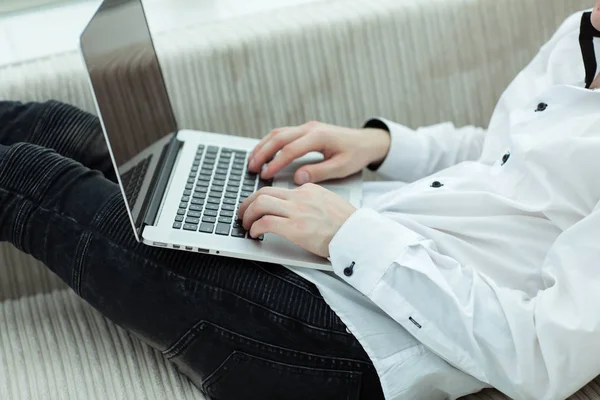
[587, 33]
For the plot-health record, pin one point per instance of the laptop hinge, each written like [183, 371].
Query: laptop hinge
[151, 211]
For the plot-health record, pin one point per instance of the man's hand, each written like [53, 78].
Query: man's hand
[346, 151]
[308, 216]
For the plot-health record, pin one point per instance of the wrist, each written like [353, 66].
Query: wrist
[381, 141]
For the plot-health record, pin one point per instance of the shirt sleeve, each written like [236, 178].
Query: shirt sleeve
[542, 347]
[415, 154]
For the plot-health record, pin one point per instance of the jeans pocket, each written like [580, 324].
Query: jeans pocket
[237, 377]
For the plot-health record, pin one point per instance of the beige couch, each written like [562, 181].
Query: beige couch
[340, 61]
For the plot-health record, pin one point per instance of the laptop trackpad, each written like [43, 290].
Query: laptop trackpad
[339, 190]
[285, 177]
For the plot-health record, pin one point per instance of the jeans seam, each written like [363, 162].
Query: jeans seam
[287, 317]
[43, 113]
[337, 374]
[176, 349]
[287, 280]
[50, 171]
[17, 228]
[105, 209]
[78, 264]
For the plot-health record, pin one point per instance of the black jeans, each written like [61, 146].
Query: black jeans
[237, 329]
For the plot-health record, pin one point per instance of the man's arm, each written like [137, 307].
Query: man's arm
[416, 154]
[542, 347]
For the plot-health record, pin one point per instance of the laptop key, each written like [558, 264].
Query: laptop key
[228, 207]
[222, 171]
[237, 223]
[197, 201]
[177, 225]
[181, 211]
[205, 178]
[196, 207]
[222, 229]
[231, 195]
[225, 213]
[179, 218]
[249, 182]
[238, 232]
[214, 200]
[212, 207]
[209, 219]
[215, 193]
[185, 199]
[193, 221]
[221, 177]
[183, 205]
[199, 195]
[217, 188]
[212, 149]
[189, 186]
[248, 188]
[194, 214]
[206, 227]
[191, 180]
[245, 194]
[202, 187]
[187, 192]
[219, 182]
[190, 227]
[228, 201]
[225, 220]
[210, 213]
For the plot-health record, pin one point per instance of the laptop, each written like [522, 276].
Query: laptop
[182, 188]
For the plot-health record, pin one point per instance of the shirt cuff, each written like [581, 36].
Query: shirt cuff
[405, 154]
[366, 246]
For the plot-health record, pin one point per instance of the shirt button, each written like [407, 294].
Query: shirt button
[505, 158]
[437, 184]
[348, 271]
[541, 107]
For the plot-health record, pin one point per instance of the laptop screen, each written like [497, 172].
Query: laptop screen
[127, 78]
[128, 84]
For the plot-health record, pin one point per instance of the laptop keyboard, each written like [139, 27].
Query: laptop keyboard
[133, 179]
[217, 184]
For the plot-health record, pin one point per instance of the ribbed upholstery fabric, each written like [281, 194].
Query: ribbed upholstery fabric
[340, 61]
[54, 346]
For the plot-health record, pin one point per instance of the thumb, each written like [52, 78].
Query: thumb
[332, 168]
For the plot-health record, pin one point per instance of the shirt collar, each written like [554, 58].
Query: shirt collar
[587, 33]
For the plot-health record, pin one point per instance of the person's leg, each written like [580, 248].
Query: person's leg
[67, 130]
[239, 330]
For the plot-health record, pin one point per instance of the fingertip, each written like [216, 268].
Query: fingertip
[265, 172]
[302, 177]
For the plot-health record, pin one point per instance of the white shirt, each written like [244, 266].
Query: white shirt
[497, 272]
